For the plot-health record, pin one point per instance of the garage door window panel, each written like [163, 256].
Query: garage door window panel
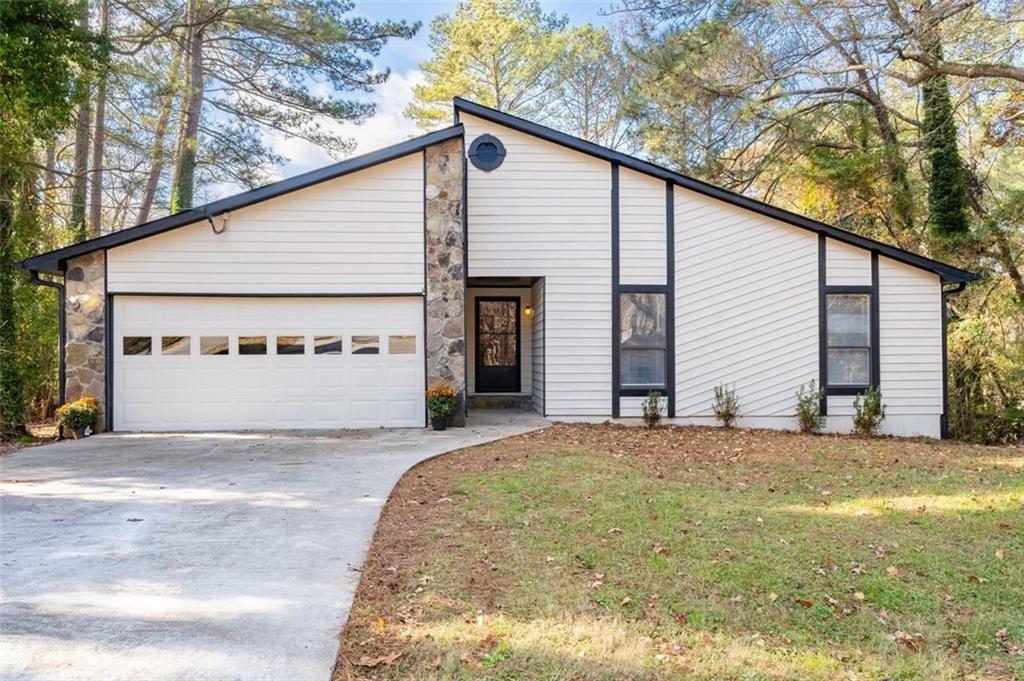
[291, 345]
[402, 345]
[137, 345]
[252, 345]
[214, 345]
[328, 345]
[365, 345]
[175, 345]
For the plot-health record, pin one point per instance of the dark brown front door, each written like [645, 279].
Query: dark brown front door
[497, 345]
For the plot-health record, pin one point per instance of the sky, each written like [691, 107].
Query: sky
[403, 57]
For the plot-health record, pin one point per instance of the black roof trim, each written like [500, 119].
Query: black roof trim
[52, 262]
[946, 272]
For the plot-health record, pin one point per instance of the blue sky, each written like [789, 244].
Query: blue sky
[403, 57]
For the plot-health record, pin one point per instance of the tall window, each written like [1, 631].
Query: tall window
[642, 346]
[848, 327]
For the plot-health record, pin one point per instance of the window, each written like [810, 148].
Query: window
[642, 344]
[138, 345]
[175, 345]
[402, 345]
[291, 345]
[848, 335]
[365, 345]
[213, 345]
[252, 345]
[327, 345]
[498, 332]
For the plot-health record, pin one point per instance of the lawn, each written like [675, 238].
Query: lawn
[603, 552]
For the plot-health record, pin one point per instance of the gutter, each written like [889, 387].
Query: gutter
[944, 420]
[61, 331]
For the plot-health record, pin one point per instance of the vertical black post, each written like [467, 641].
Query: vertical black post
[670, 297]
[876, 348]
[822, 330]
[616, 322]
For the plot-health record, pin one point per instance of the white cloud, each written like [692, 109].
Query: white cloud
[387, 126]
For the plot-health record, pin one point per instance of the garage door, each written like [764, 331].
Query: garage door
[212, 363]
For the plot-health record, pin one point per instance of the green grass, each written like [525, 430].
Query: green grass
[801, 566]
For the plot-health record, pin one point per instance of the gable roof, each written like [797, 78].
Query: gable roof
[52, 262]
[947, 273]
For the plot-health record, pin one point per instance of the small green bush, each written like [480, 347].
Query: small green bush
[726, 405]
[653, 409]
[78, 414]
[808, 408]
[869, 412]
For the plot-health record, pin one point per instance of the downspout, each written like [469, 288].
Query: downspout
[944, 421]
[61, 368]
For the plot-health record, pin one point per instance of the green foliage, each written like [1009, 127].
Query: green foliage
[808, 407]
[78, 414]
[947, 186]
[501, 53]
[653, 409]
[45, 58]
[986, 383]
[726, 405]
[442, 401]
[869, 412]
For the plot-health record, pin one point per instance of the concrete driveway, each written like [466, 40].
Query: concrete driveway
[213, 556]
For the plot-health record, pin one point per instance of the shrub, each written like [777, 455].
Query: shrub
[726, 405]
[808, 408]
[78, 414]
[653, 409]
[441, 401]
[869, 412]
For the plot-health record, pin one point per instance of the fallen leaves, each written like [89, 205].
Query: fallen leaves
[914, 642]
[386, 660]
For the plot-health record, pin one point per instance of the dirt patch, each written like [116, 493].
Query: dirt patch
[39, 434]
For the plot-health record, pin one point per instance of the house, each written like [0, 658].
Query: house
[523, 266]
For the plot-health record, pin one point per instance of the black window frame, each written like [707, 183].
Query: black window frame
[873, 344]
[634, 390]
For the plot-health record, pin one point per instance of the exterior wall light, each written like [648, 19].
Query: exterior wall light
[528, 311]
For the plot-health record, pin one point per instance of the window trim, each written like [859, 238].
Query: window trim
[486, 166]
[640, 390]
[874, 349]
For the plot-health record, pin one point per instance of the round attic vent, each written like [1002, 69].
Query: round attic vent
[487, 152]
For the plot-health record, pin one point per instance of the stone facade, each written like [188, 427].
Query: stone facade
[85, 350]
[446, 275]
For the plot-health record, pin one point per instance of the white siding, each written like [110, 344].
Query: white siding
[525, 334]
[546, 212]
[360, 233]
[846, 265]
[537, 294]
[641, 229]
[746, 307]
[910, 329]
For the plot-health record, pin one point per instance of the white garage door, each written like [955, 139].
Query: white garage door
[211, 363]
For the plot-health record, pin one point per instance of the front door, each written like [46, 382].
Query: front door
[497, 345]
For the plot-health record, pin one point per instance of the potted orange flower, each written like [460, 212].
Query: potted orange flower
[441, 403]
[78, 416]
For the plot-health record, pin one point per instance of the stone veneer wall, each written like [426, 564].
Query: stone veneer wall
[446, 276]
[85, 350]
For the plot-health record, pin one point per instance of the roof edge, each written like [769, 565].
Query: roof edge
[947, 273]
[51, 262]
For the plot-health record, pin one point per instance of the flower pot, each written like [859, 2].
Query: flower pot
[439, 422]
[81, 433]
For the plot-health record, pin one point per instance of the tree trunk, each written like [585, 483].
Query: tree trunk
[157, 151]
[182, 186]
[96, 188]
[80, 178]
